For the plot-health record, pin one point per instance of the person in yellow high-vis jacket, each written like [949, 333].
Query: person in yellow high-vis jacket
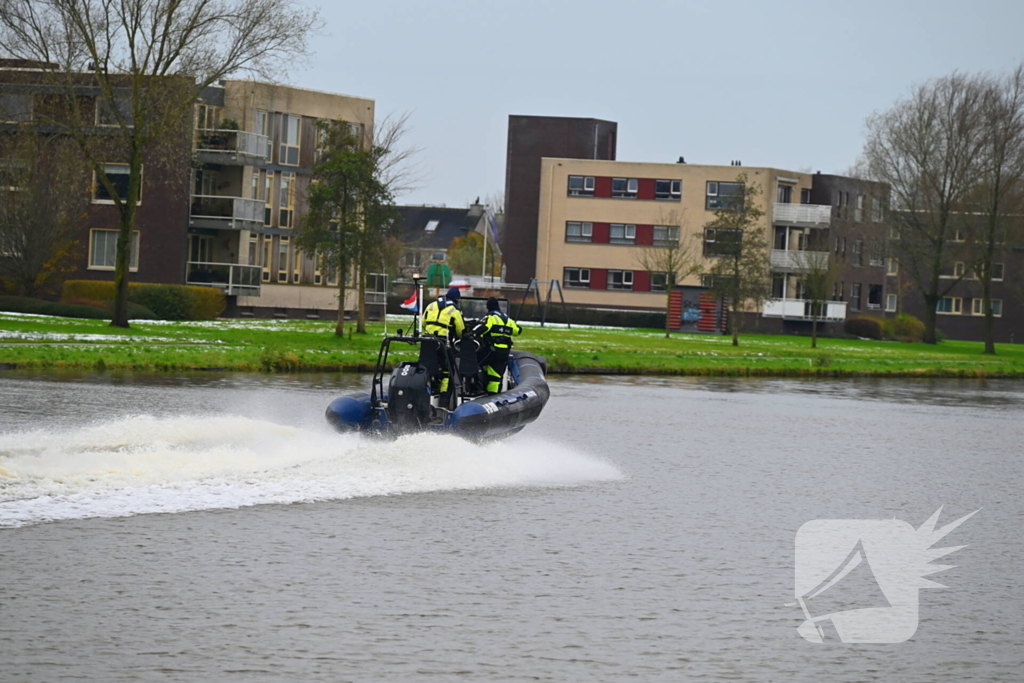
[442, 318]
[496, 330]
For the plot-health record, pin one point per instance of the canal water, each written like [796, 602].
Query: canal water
[212, 528]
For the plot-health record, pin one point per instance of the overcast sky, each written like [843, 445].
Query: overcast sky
[783, 84]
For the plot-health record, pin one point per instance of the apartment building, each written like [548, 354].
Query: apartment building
[219, 203]
[530, 138]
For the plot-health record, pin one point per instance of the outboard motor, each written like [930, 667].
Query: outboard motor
[409, 397]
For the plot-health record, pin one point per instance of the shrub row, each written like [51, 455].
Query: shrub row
[904, 327]
[577, 315]
[169, 302]
[77, 308]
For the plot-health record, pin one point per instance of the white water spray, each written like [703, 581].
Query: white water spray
[143, 464]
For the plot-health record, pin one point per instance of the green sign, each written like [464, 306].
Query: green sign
[439, 275]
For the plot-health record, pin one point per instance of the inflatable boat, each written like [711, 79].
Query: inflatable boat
[410, 400]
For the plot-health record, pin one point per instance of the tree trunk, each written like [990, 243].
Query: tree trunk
[339, 329]
[122, 262]
[734, 325]
[929, 320]
[814, 328]
[668, 314]
[361, 304]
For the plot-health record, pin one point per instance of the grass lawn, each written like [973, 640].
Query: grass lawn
[31, 341]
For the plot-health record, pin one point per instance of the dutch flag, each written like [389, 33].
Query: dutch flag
[410, 303]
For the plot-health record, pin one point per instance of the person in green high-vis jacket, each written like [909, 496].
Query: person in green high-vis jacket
[496, 330]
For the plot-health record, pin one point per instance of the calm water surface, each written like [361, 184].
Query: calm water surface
[210, 528]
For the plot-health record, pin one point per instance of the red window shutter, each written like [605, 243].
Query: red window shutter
[645, 234]
[598, 278]
[641, 281]
[602, 186]
[600, 235]
[646, 189]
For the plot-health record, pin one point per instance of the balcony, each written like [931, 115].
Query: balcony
[800, 309]
[802, 215]
[226, 213]
[234, 278]
[232, 147]
[793, 261]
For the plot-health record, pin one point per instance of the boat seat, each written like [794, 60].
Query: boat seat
[428, 360]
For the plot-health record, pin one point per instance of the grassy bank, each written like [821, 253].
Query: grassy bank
[298, 345]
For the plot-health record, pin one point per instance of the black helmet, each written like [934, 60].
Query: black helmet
[492, 304]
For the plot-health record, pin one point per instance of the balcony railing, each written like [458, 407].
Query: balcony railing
[232, 146]
[802, 215]
[801, 309]
[234, 213]
[233, 278]
[793, 261]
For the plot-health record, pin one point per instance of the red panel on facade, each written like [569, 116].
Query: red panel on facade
[602, 186]
[600, 235]
[646, 189]
[598, 278]
[645, 235]
[675, 310]
[641, 281]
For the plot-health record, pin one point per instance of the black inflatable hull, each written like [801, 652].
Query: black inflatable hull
[487, 417]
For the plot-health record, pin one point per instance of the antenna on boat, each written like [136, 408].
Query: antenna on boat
[418, 289]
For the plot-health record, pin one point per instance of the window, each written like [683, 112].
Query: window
[286, 200]
[620, 279]
[254, 251]
[579, 232]
[431, 226]
[659, 282]
[893, 268]
[978, 307]
[15, 108]
[625, 187]
[105, 115]
[12, 174]
[890, 302]
[268, 197]
[877, 254]
[950, 305]
[103, 250]
[805, 196]
[959, 235]
[783, 194]
[118, 176]
[288, 154]
[728, 196]
[666, 235]
[282, 260]
[876, 210]
[668, 189]
[622, 234]
[874, 296]
[721, 242]
[267, 246]
[858, 252]
[858, 213]
[997, 271]
[855, 296]
[207, 117]
[582, 186]
[263, 128]
[577, 277]
[955, 270]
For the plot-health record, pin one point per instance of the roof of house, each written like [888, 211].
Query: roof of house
[445, 225]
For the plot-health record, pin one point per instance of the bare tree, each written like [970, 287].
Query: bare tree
[127, 75]
[926, 149]
[995, 201]
[43, 201]
[820, 273]
[669, 257]
[741, 272]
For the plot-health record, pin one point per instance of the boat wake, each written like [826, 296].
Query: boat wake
[145, 464]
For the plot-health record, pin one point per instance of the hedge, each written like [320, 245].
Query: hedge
[864, 327]
[169, 302]
[904, 328]
[21, 304]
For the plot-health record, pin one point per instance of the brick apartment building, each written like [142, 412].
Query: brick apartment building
[218, 207]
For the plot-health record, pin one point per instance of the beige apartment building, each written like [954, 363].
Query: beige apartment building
[256, 144]
[595, 216]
